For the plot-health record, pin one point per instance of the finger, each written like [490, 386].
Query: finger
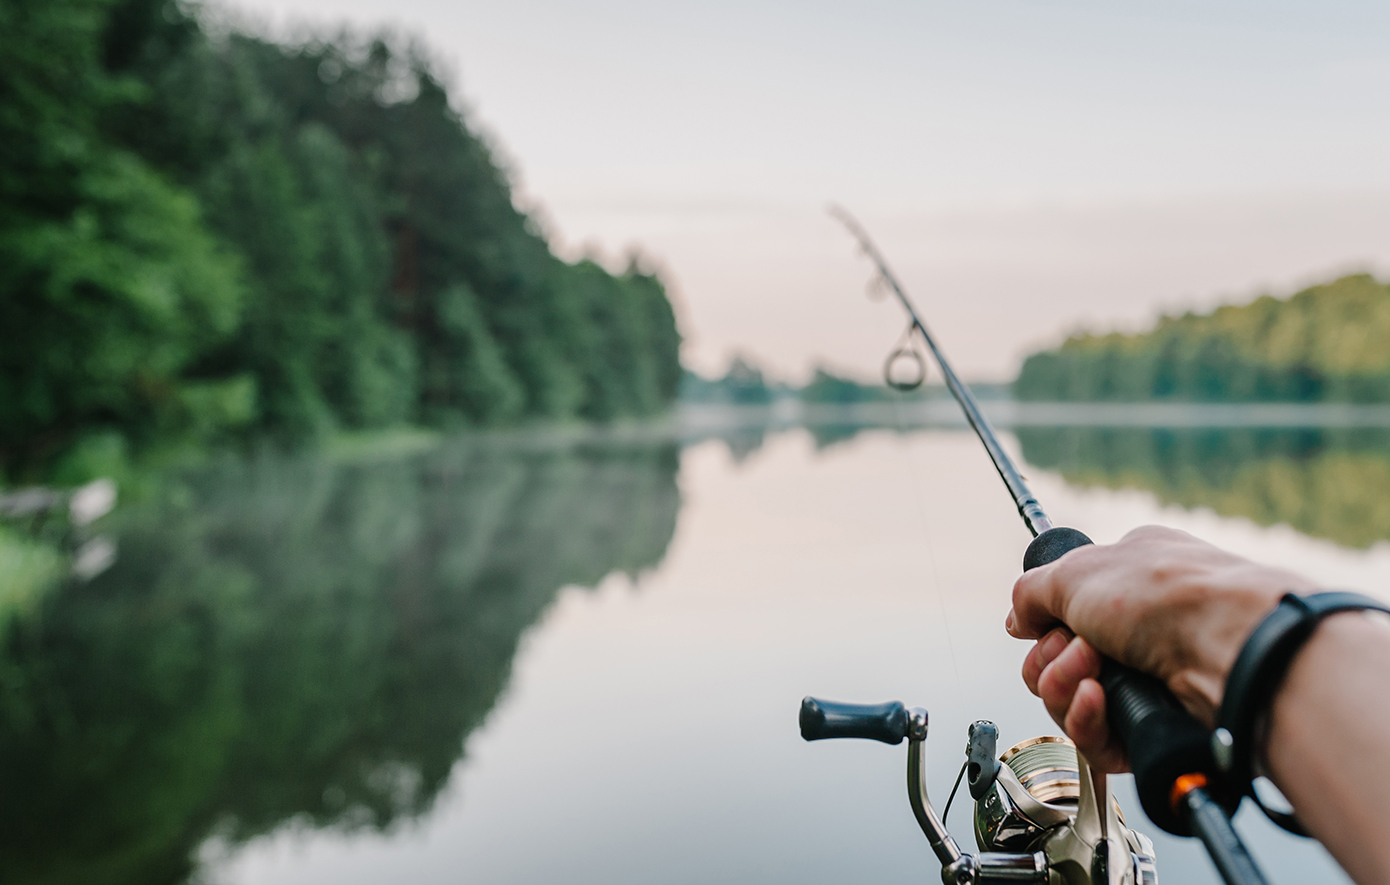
[1038, 599]
[1086, 725]
[1059, 680]
[1044, 652]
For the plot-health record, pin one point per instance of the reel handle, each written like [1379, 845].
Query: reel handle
[1160, 737]
[822, 720]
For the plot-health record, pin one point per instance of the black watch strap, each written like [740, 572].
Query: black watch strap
[1259, 670]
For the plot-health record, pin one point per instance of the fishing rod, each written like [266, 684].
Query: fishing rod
[1028, 507]
[1064, 827]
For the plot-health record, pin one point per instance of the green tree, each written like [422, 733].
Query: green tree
[1325, 343]
[201, 237]
[111, 287]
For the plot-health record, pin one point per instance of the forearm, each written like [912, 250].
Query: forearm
[1327, 741]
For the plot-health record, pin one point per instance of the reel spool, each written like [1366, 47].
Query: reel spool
[1038, 792]
[1047, 768]
[1041, 790]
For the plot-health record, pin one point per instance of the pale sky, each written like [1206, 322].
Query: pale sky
[1029, 168]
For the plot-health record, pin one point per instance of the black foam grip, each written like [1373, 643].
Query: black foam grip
[821, 720]
[1050, 546]
[1161, 738]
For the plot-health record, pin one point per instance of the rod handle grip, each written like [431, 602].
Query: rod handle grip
[1162, 740]
[1160, 737]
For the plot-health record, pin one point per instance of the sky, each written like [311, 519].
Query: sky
[1030, 169]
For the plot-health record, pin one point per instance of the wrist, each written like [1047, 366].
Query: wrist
[1324, 740]
[1340, 649]
[1261, 672]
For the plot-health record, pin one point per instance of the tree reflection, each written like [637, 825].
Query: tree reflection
[1329, 483]
[289, 639]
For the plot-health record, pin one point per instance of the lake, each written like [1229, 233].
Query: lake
[578, 658]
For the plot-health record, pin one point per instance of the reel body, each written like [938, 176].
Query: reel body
[1040, 814]
[1034, 803]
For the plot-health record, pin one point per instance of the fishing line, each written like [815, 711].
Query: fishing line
[905, 345]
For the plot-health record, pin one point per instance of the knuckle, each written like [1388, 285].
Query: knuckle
[1146, 533]
[1139, 533]
[1088, 657]
[1024, 587]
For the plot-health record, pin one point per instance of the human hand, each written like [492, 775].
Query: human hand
[1159, 600]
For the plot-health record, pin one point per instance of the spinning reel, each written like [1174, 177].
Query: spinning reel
[1041, 814]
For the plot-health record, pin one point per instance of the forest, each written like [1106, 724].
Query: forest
[1325, 343]
[209, 237]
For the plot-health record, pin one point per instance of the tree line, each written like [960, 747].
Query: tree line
[744, 384]
[1325, 343]
[207, 235]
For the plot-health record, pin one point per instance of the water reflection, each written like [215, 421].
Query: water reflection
[1331, 483]
[289, 639]
[288, 656]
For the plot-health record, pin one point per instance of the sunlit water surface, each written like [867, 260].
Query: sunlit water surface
[678, 603]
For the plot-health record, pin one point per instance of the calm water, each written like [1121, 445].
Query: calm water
[581, 663]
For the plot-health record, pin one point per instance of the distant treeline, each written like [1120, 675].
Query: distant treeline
[744, 384]
[1327, 343]
[206, 234]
